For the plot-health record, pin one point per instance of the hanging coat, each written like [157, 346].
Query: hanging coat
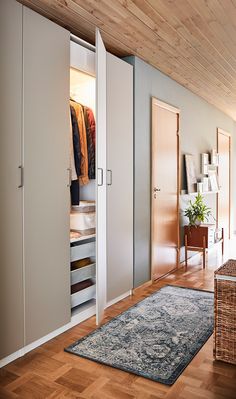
[92, 123]
[74, 175]
[90, 146]
[76, 142]
[84, 179]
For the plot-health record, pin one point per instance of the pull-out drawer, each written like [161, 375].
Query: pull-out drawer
[83, 296]
[84, 273]
[82, 251]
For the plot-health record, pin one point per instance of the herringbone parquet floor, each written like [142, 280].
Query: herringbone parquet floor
[49, 372]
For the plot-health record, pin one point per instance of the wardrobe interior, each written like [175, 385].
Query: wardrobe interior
[83, 179]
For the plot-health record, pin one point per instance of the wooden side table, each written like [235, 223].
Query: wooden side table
[200, 239]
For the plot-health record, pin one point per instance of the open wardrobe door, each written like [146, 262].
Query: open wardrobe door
[101, 263]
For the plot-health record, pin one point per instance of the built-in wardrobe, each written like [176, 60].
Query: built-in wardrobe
[41, 68]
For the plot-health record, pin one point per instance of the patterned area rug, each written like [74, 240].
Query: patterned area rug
[156, 338]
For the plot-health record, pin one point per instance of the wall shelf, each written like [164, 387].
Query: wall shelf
[203, 193]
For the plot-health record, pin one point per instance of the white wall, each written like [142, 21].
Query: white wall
[198, 123]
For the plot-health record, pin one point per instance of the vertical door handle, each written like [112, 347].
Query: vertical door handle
[21, 176]
[100, 177]
[69, 177]
[109, 171]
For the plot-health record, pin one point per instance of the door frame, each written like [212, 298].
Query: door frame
[162, 104]
[227, 134]
[101, 183]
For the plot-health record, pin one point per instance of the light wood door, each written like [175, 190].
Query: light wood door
[223, 202]
[165, 171]
[101, 235]
[46, 61]
[119, 177]
[11, 212]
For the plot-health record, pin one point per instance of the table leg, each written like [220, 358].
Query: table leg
[204, 252]
[186, 251]
[222, 241]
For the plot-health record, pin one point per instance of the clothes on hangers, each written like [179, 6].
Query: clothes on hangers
[72, 158]
[84, 127]
[90, 144]
[76, 142]
[92, 124]
[75, 159]
[83, 177]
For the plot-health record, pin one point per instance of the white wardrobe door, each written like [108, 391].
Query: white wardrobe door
[46, 158]
[101, 178]
[119, 177]
[11, 267]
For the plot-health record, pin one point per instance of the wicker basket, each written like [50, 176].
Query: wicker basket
[225, 312]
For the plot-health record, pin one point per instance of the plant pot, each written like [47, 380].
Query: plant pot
[198, 222]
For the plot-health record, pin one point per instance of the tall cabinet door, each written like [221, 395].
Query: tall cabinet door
[101, 256]
[11, 265]
[119, 177]
[46, 52]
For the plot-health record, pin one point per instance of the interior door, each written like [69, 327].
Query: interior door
[46, 52]
[223, 140]
[101, 235]
[165, 187]
[11, 196]
[119, 177]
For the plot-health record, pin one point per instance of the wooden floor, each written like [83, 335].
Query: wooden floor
[49, 372]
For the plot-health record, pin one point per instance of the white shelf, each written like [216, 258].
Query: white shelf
[89, 305]
[82, 238]
[203, 193]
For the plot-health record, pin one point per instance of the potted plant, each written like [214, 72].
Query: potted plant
[197, 212]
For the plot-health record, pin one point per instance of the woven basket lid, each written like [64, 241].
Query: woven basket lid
[227, 269]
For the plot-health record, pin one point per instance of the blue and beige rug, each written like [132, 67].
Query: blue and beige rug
[156, 338]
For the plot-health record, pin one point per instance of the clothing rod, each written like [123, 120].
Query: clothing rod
[82, 43]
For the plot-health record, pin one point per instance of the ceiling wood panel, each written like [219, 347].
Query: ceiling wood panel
[192, 41]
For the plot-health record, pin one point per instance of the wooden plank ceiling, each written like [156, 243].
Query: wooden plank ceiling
[192, 41]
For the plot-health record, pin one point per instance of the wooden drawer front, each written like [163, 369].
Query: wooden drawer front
[84, 273]
[83, 251]
[83, 296]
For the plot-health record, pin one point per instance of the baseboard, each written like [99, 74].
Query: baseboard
[140, 287]
[119, 298]
[11, 358]
[76, 319]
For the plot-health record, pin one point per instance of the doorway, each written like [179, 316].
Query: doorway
[223, 197]
[165, 189]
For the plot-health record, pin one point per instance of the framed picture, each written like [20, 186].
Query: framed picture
[205, 182]
[214, 182]
[214, 158]
[191, 173]
[204, 163]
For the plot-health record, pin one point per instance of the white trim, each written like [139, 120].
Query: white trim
[119, 298]
[226, 278]
[11, 358]
[76, 319]
[164, 105]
